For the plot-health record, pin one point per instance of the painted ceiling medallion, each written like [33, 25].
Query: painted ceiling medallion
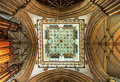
[60, 4]
[61, 43]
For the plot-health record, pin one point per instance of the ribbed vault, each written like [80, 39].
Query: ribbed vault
[102, 42]
[106, 44]
[102, 38]
[60, 4]
[109, 7]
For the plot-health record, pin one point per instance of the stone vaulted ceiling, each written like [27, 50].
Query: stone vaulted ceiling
[105, 45]
[60, 4]
[102, 38]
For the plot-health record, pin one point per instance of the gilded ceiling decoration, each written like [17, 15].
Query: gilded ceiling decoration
[59, 43]
[60, 4]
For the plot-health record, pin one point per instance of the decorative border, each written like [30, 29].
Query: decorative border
[64, 64]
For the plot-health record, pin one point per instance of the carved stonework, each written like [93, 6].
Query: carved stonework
[60, 3]
[62, 80]
[61, 43]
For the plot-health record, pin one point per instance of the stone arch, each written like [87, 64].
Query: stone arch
[61, 74]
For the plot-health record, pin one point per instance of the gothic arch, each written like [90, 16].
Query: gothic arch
[61, 74]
